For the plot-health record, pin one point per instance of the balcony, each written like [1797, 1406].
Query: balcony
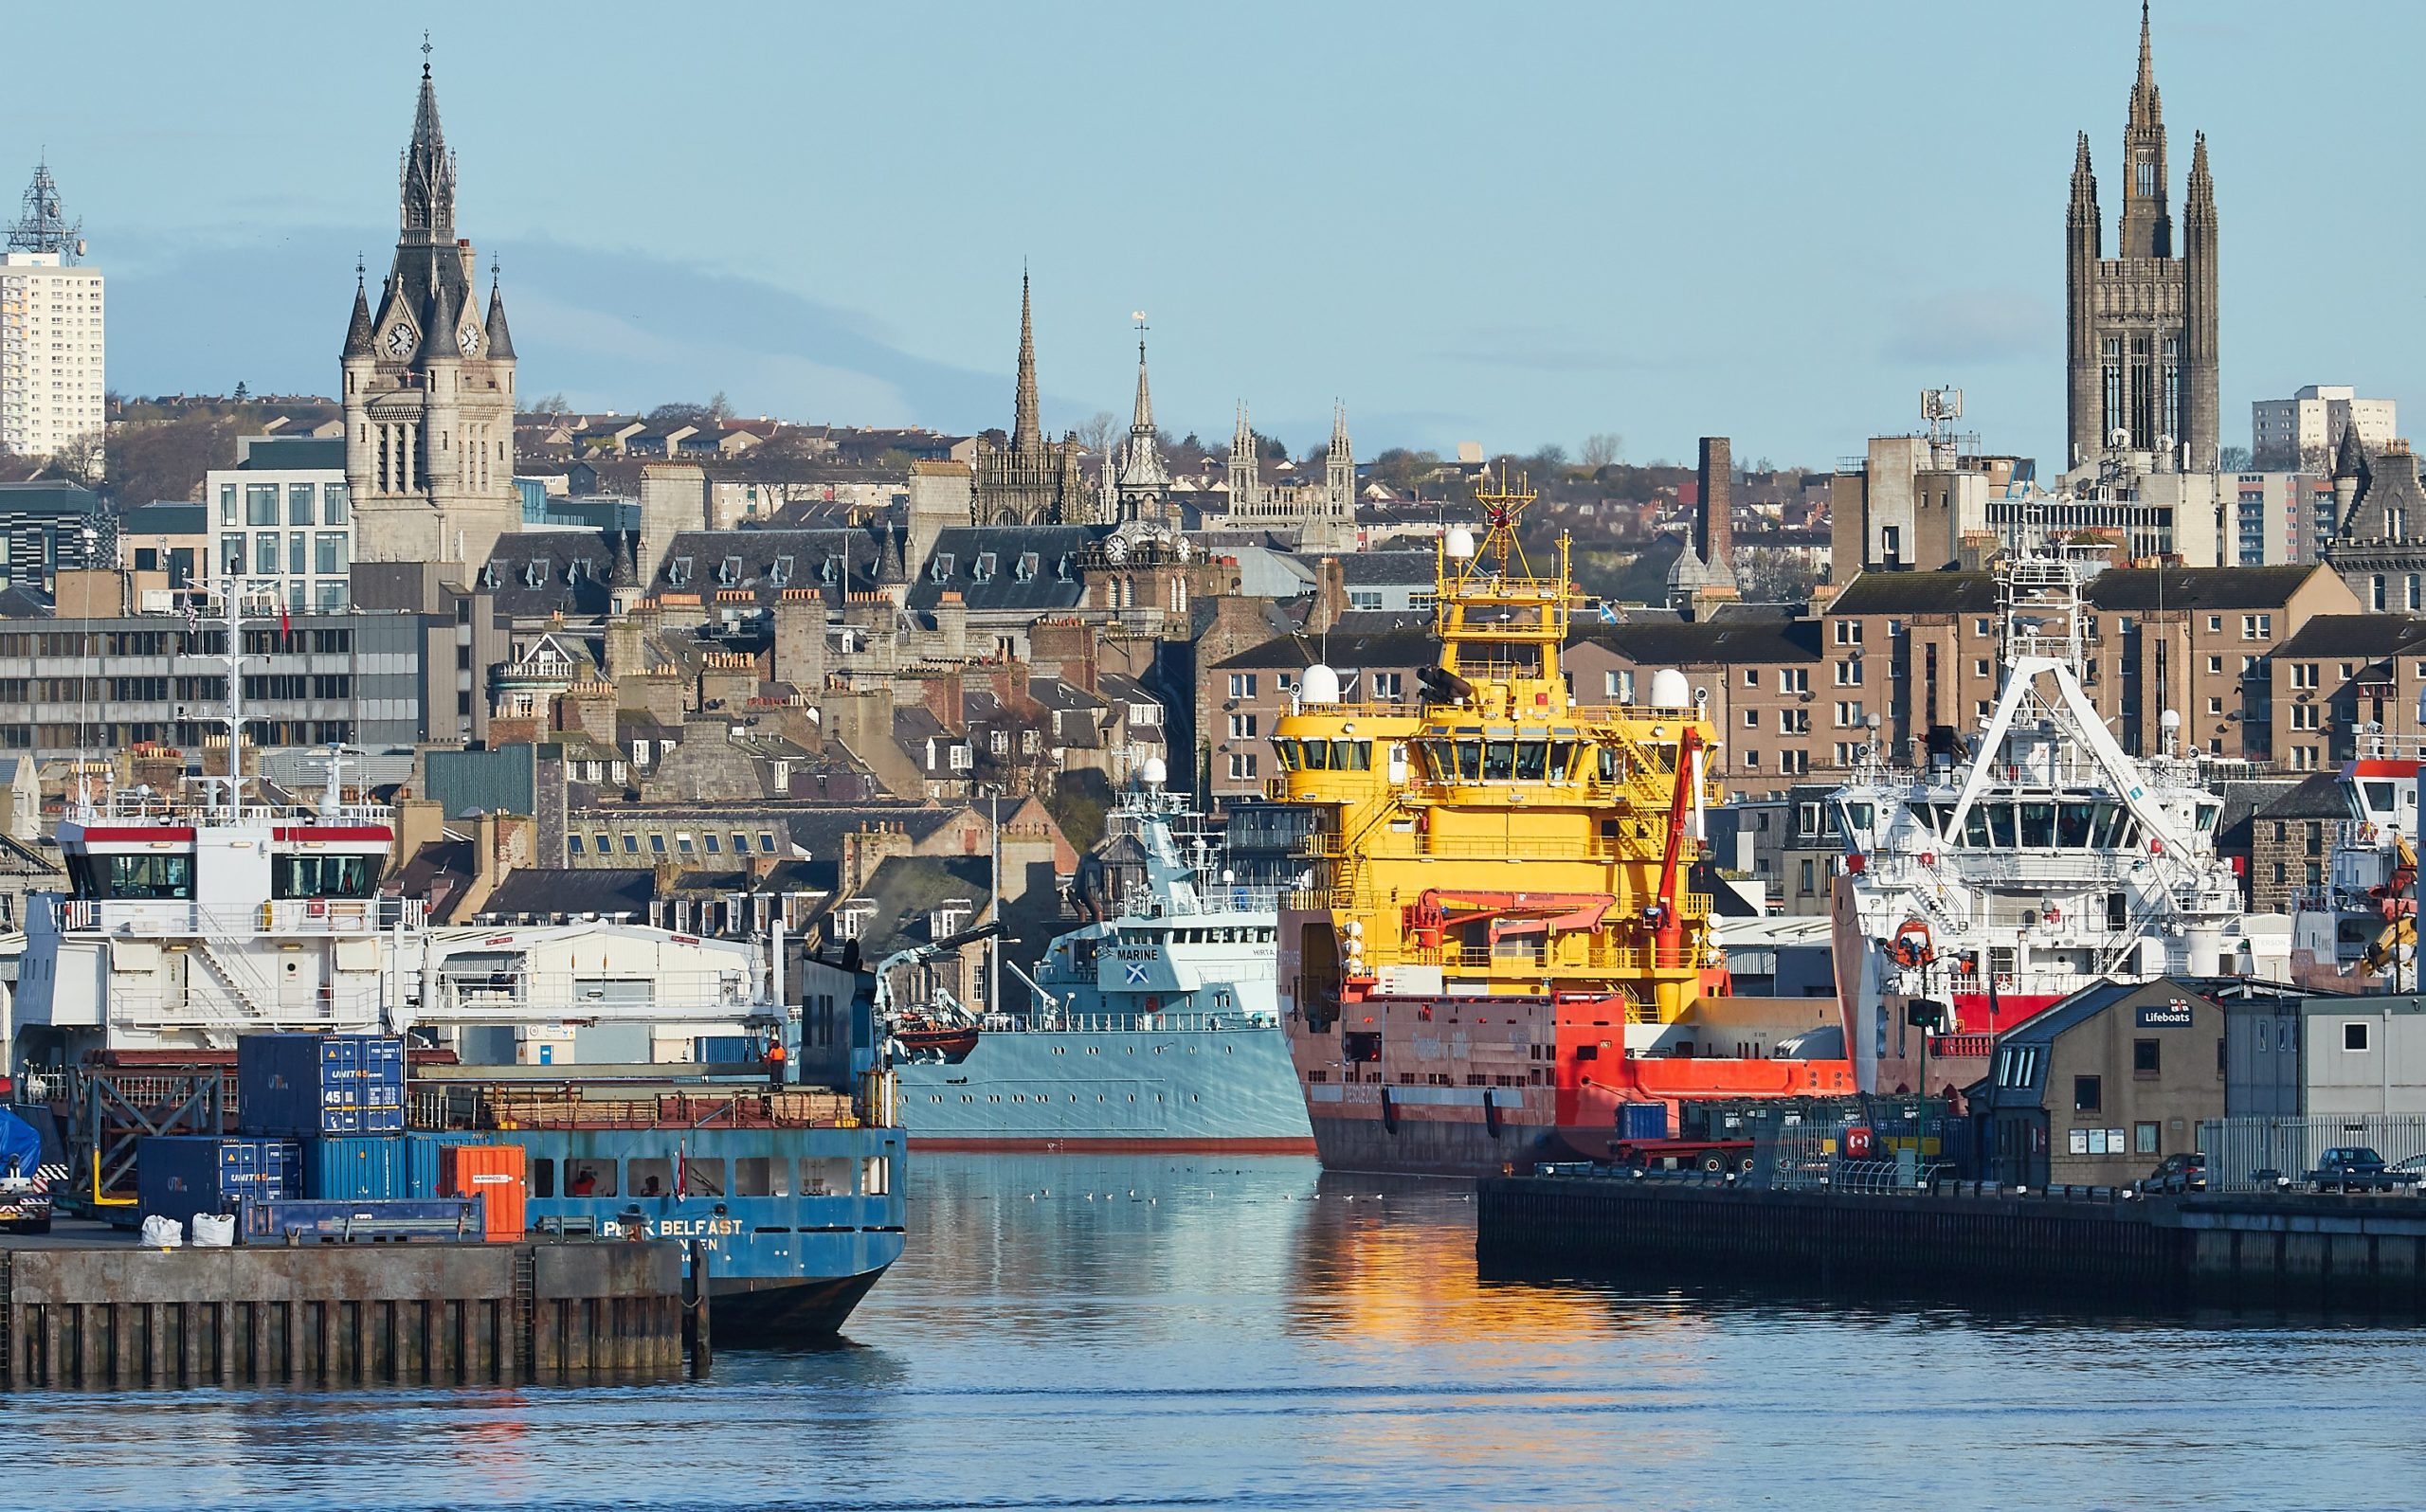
[171, 918]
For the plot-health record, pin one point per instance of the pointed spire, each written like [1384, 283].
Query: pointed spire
[500, 340]
[1141, 418]
[1242, 439]
[440, 320]
[429, 177]
[2147, 69]
[1339, 443]
[1028, 430]
[2202, 184]
[358, 330]
[2350, 458]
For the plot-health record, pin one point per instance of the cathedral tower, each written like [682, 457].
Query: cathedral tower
[1031, 481]
[428, 382]
[2140, 357]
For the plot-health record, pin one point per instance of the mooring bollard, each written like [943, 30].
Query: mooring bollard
[702, 1351]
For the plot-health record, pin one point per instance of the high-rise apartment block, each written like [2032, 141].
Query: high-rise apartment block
[51, 331]
[2305, 430]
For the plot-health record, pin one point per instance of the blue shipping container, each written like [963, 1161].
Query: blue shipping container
[180, 1175]
[455, 1220]
[421, 1159]
[354, 1168]
[1642, 1120]
[300, 1086]
[725, 1049]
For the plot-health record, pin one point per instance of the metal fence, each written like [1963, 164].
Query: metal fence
[1810, 1156]
[2252, 1154]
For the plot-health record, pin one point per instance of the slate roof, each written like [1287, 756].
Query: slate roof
[841, 560]
[1034, 568]
[2353, 635]
[1365, 569]
[2149, 589]
[2318, 798]
[547, 572]
[2042, 1028]
[1693, 644]
[548, 891]
[905, 889]
[1924, 593]
[1391, 648]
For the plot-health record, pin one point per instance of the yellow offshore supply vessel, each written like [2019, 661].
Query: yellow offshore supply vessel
[1496, 947]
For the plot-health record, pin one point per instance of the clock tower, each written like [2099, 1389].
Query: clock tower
[429, 383]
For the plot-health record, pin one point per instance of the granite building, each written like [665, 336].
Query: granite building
[1031, 481]
[2142, 324]
[428, 382]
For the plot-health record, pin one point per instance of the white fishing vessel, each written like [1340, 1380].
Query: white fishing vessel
[1991, 882]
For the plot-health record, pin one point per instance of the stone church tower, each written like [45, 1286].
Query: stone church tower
[1141, 483]
[2142, 324]
[429, 383]
[1032, 482]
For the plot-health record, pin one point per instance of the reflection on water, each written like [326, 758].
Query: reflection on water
[1148, 1332]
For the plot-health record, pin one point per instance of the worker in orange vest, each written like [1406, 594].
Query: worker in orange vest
[775, 1060]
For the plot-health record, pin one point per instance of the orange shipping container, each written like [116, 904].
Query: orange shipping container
[495, 1173]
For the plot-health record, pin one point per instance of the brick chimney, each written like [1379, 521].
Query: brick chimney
[1715, 526]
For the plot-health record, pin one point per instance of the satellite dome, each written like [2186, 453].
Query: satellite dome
[1669, 689]
[1319, 686]
[2170, 719]
[1152, 772]
[1460, 544]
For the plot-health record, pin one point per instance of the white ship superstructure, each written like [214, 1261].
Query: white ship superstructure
[223, 908]
[1994, 881]
[2355, 928]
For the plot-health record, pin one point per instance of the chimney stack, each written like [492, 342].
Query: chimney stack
[1713, 529]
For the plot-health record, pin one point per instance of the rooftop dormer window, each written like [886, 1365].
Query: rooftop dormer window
[534, 574]
[677, 572]
[832, 571]
[781, 573]
[729, 572]
[940, 570]
[985, 570]
[488, 574]
[1027, 570]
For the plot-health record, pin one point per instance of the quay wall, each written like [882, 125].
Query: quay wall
[340, 1315]
[2294, 1252]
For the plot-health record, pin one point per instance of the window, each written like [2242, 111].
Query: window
[2216, 666]
[714, 845]
[2144, 1059]
[1794, 721]
[573, 844]
[631, 844]
[227, 504]
[1751, 677]
[2216, 624]
[1242, 685]
[1242, 767]
[1849, 632]
[1794, 679]
[766, 842]
[2354, 1034]
[260, 503]
[329, 553]
[1242, 727]
[2088, 1094]
[2144, 1139]
[1751, 719]
[299, 504]
[332, 504]
[2256, 626]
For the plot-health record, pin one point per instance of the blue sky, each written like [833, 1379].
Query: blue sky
[1517, 224]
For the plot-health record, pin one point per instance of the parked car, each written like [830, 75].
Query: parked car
[2178, 1172]
[2356, 1168]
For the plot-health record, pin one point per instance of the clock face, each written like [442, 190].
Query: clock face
[469, 337]
[400, 340]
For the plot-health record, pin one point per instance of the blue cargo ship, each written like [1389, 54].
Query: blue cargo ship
[1154, 1026]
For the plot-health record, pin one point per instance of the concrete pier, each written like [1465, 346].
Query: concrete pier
[2300, 1253]
[101, 1315]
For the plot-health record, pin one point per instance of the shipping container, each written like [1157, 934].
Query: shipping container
[492, 1173]
[731, 1050]
[356, 1168]
[421, 1159]
[1642, 1120]
[180, 1175]
[301, 1085]
[449, 1220]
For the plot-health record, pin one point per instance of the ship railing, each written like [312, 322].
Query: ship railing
[214, 1006]
[1211, 898]
[1074, 1023]
[519, 998]
[178, 810]
[281, 916]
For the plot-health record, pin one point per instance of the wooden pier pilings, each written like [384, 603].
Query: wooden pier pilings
[115, 1316]
[2287, 1252]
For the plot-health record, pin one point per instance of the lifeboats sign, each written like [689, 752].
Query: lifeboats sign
[2174, 1014]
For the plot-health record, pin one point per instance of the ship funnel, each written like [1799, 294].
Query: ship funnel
[1669, 689]
[1460, 544]
[1152, 772]
[1319, 686]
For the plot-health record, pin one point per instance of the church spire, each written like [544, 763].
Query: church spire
[2148, 220]
[1028, 430]
[426, 212]
[1141, 418]
[500, 340]
[2143, 91]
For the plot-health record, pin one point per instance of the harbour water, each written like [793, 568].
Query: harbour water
[1146, 1332]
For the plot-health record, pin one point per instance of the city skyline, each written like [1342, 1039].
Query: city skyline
[1296, 232]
